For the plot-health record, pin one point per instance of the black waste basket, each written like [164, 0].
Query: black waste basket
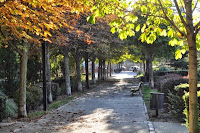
[143, 79]
[156, 101]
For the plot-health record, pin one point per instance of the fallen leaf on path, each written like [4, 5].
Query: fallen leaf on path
[64, 127]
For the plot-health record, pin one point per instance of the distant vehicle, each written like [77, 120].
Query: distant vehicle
[123, 68]
[134, 68]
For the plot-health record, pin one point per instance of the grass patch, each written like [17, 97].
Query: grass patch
[57, 104]
[36, 114]
[146, 91]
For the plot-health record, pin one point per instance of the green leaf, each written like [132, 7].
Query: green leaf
[138, 28]
[178, 54]
[143, 37]
[144, 9]
[131, 33]
[163, 33]
[170, 33]
[173, 42]
[91, 19]
[96, 13]
[113, 30]
[143, 28]
[151, 38]
[123, 35]
[131, 18]
[131, 26]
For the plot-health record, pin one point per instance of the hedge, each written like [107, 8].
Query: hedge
[168, 84]
[180, 72]
[164, 78]
[175, 102]
[186, 110]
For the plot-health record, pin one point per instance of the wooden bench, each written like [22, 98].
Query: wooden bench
[136, 89]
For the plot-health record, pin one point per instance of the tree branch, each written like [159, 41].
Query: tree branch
[195, 6]
[179, 12]
[11, 44]
[15, 48]
[197, 28]
[171, 21]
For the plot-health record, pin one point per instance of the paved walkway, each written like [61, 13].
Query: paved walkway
[109, 108]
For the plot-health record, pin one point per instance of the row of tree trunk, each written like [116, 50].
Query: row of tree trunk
[23, 74]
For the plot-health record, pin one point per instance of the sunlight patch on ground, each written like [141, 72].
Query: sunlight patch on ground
[124, 74]
[98, 120]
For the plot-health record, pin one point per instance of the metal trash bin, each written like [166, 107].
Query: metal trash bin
[143, 79]
[156, 101]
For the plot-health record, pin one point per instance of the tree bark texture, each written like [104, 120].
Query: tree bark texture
[93, 70]
[86, 71]
[104, 69]
[101, 70]
[144, 67]
[100, 75]
[67, 71]
[22, 91]
[107, 72]
[147, 69]
[193, 110]
[151, 78]
[110, 69]
[78, 70]
[191, 38]
[48, 75]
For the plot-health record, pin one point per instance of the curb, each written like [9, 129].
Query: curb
[149, 123]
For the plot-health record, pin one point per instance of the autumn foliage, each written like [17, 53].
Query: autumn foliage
[36, 20]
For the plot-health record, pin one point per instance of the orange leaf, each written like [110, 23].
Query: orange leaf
[64, 127]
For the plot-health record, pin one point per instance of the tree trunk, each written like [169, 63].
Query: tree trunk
[147, 69]
[48, 75]
[191, 38]
[67, 71]
[99, 70]
[22, 91]
[110, 69]
[151, 78]
[193, 110]
[144, 68]
[141, 67]
[86, 71]
[107, 72]
[93, 70]
[78, 70]
[104, 69]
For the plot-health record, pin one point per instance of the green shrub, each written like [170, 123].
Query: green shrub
[179, 72]
[61, 82]
[8, 107]
[11, 108]
[34, 97]
[56, 90]
[176, 103]
[168, 84]
[163, 78]
[176, 106]
[186, 110]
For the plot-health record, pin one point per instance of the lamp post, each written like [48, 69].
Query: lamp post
[44, 76]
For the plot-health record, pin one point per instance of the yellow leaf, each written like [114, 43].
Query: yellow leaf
[47, 33]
